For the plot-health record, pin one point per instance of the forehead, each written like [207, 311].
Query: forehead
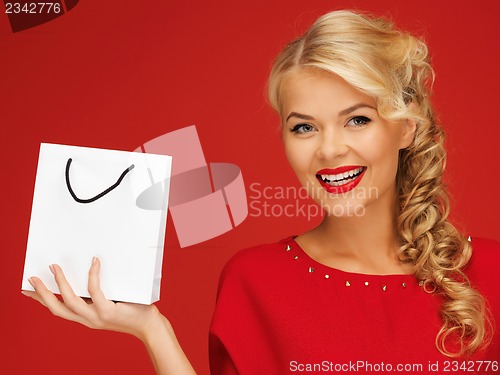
[317, 91]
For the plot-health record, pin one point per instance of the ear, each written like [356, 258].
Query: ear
[408, 134]
[409, 129]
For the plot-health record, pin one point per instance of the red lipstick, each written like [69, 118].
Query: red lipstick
[342, 185]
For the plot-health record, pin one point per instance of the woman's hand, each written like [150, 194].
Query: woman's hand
[143, 321]
[98, 312]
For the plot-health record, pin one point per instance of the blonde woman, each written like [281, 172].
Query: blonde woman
[385, 282]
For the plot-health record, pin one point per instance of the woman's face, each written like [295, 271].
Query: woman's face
[342, 151]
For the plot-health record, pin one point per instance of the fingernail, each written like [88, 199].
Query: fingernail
[52, 269]
[24, 293]
[30, 280]
[94, 260]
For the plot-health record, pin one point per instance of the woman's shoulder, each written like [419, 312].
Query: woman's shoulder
[258, 254]
[485, 254]
[256, 259]
[483, 266]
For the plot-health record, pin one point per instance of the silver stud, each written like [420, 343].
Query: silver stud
[347, 283]
[384, 288]
[367, 283]
[311, 270]
[296, 257]
[421, 283]
[404, 285]
[327, 276]
[288, 248]
[469, 239]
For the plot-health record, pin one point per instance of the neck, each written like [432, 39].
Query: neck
[366, 244]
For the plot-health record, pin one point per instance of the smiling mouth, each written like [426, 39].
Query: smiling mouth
[342, 178]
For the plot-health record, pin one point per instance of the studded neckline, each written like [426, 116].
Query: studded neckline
[347, 279]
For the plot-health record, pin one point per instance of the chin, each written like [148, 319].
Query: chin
[349, 209]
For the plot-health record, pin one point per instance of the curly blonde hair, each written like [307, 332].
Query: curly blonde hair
[393, 66]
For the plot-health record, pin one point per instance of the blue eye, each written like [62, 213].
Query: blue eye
[302, 128]
[359, 121]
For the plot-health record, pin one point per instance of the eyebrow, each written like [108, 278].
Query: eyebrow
[299, 116]
[341, 113]
[355, 107]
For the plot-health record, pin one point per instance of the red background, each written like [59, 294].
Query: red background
[114, 74]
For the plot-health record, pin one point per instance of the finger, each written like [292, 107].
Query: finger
[34, 295]
[41, 294]
[94, 285]
[71, 300]
[49, 300]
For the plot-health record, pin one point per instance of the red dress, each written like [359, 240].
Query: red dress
[279, 311]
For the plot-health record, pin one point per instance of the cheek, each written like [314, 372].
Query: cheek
[299, 156]
[293, 156]
[381, 146]
[382, 151]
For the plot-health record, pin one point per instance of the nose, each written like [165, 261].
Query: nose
[332, 144]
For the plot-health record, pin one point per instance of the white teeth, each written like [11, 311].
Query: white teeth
[337, 179]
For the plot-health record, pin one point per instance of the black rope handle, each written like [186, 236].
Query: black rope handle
[100, 195]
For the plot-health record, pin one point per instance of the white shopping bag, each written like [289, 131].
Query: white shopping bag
[94, 202]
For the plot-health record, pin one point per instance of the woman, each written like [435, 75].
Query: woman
[385, 282]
